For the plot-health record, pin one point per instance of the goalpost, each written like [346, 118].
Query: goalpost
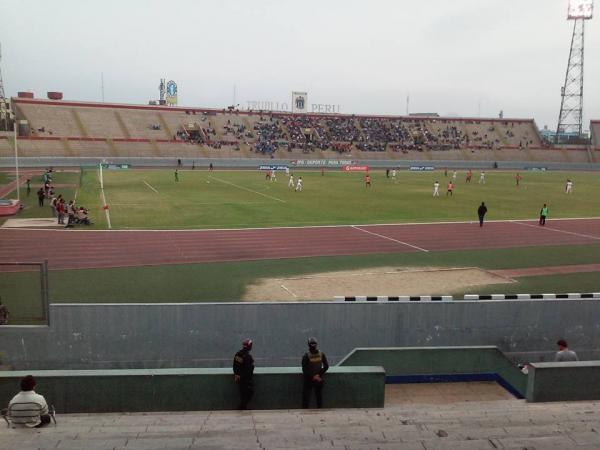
[103, 195]
[101, 177]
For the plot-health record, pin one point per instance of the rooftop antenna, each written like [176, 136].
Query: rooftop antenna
[102, 85]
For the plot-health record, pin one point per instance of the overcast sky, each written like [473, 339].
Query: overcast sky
[454, 57]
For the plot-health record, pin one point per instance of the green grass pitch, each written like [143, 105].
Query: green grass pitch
[152, 199]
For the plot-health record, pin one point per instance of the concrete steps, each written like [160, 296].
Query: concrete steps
[80, 126]
[511, 424]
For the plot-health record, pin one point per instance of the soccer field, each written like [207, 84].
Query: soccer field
[152, 199]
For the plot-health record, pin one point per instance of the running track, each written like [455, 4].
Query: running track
[72, 249]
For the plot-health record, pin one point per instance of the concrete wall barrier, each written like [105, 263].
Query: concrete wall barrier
[103, 391]
[564, 381]
[442, 364]
[156, 336]
[400, 298]
[571, 296]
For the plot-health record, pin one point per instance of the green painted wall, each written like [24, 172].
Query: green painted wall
[566, 381]
[440, 361]
[102, 391]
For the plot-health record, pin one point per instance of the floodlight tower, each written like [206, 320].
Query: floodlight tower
[570, 119]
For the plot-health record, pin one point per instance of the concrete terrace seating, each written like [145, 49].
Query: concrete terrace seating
[508, 424]
[595, 132]
[370, 137]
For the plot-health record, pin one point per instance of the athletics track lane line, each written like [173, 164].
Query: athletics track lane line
[247, 189]
[390, 239]
[589, 236]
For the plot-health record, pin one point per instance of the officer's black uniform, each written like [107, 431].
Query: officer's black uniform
[243, 367]
[314, 363]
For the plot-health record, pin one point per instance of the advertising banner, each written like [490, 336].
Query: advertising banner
[272, 167]
[322, 162]
[355, 168]
[421, 168]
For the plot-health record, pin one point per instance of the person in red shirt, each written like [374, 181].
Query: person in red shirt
[368, 180]
[518, 179]
[450, 189]
[469, 175]
[60, 210]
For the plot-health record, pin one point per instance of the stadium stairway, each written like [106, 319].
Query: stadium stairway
[165, 126]
[82, 131]
[67, 147]
[460, 425]
[122, 125]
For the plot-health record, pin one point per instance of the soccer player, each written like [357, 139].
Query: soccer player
[454, 174]
[482, 177]
[394, 175]
[291, 182]
[450, 189]
[517, 179]
[273, 175]
[469, 175]
[367, 180]
[569, 187]
[299, 184]
[436, 189]
[176, 176]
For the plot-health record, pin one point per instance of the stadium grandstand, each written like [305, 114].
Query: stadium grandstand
[73, 129]
[595, 133]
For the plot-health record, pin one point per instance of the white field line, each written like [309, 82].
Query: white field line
[390, 239]
[589, 236]
[150, 186]
[287, 290]
[302, 227]
[247, 189]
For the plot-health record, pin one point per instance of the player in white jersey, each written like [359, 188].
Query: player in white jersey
[273, 175]
[454, 174]
[299, 184]
[482, 177]
[291, 181]
[394, 175]
[436, 189]
[569, 187]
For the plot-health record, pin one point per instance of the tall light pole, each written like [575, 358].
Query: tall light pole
[570, 118]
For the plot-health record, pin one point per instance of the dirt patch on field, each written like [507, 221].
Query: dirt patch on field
[376, 281]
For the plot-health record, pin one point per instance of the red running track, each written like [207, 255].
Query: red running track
[72, 249]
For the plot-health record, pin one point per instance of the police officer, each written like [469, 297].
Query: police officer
[243, 369]
[314, 366]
